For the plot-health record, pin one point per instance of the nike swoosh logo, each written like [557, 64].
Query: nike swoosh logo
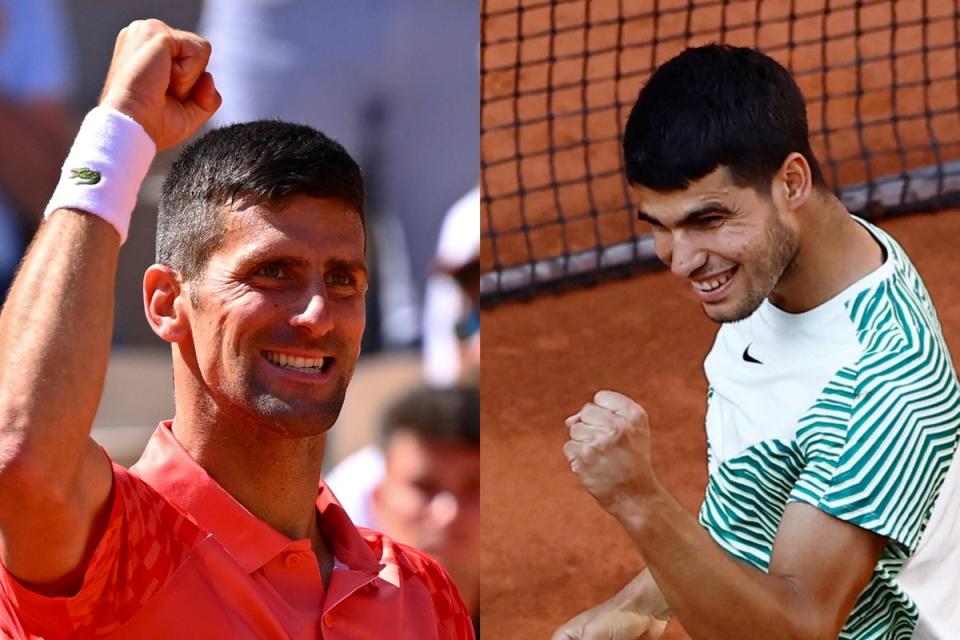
[749, 358]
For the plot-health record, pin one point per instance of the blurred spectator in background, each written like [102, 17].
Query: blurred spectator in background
[421, 485]
[451, 316]
[36, 125]
[397, 83]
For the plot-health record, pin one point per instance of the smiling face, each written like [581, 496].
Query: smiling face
[277, 316]
[730, 242]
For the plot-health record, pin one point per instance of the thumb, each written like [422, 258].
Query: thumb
[617, 625]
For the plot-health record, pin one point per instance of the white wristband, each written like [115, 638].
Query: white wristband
[104, 169]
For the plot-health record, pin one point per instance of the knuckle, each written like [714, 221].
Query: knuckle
[143, 25]
[147, 29]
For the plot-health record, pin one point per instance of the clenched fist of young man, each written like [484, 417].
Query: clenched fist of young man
[609, 450]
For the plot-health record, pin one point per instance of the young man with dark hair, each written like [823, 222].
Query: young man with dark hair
[223, 529]
[833, 407]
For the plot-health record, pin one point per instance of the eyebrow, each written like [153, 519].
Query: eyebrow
[350, 265]
[690, 216]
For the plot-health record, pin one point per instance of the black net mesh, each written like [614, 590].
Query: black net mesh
[559, 78]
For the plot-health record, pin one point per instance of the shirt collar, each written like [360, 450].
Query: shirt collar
[167, 467]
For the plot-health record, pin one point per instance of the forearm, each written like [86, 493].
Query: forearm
[713, 595]
[54, 344]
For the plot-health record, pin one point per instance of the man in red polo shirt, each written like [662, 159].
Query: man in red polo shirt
[219, 531]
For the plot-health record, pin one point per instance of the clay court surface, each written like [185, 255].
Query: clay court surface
[549, 550]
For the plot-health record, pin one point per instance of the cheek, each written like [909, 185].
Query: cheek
[351, 318]
[229, 330]
[733, 245]
[403, 502]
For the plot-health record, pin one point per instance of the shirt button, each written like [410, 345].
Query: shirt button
[292, 560]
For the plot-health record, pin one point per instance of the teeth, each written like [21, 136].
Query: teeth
[294, 362]
[713, 283]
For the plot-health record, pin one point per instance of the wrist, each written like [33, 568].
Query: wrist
[104, 169]
[642, 596]
[134, 109]
[636, 509]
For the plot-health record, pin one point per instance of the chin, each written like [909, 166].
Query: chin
[277, 407]
[734, 312]
[299, 419]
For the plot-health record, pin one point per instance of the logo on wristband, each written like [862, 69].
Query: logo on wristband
[84, 176]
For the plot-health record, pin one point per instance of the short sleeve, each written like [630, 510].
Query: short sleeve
[879, 442]
[145, 540]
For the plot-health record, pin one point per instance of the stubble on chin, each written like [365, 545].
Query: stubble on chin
[299, 417]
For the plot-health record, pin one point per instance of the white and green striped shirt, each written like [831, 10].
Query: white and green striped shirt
[854, 408]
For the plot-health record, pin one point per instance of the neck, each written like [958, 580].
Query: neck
[273, 475]
[834, 252]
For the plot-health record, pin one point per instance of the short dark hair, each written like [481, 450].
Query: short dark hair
[449, 415]
[716, 105]
[265, 162]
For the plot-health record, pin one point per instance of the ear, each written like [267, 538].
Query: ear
[793, 183]
[165, 303]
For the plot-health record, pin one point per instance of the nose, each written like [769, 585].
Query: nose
[684, 257]
[316, 317]
[444, 508]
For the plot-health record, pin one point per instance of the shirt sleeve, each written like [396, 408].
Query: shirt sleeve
[144, 542]
[879, 442]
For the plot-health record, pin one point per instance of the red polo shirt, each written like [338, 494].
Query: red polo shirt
[180, 558]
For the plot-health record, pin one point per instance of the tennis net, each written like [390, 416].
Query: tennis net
[559, 77]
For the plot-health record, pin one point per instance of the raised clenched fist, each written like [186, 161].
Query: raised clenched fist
[609, 449]
[158, 77]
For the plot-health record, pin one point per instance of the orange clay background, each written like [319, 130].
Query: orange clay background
[549, 550]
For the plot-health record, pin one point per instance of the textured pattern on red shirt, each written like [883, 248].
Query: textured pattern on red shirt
[146, 540]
